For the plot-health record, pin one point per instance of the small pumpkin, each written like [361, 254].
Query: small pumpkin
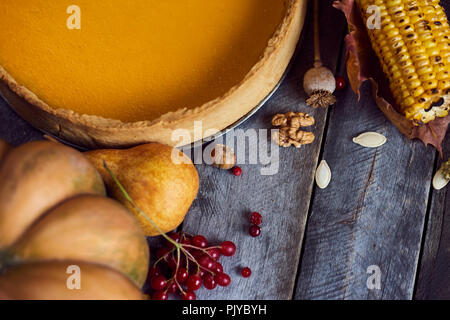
[54, 214]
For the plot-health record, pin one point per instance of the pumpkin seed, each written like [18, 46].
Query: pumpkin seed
[323, 175]
[439, 181]
[370, 139]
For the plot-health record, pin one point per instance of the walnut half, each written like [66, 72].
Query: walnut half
[289, 132]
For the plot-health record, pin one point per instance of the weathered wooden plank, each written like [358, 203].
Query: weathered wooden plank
[433, 281]
[224, 202]
[372, 213]
[14, 129]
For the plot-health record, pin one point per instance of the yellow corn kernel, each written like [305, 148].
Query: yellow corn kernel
[414, 84]
[427, 76]
[431, 84]
[443, 84]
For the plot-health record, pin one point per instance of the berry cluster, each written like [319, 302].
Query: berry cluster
[256, 220]
[185, 263]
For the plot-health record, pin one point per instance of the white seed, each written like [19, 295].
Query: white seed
[439, 180]
[323, 175]
[370, 139]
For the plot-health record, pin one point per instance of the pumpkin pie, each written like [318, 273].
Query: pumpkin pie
[114, 73]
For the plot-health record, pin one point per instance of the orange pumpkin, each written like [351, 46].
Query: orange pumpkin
[53, 216]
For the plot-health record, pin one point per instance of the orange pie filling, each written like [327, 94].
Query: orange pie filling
[137, 59]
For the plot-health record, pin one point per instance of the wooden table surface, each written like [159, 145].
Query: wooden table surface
[379, 209]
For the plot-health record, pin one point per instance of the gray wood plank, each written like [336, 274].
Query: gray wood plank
[225, 202]
[372, 213]
[433, 281]
[14, 129]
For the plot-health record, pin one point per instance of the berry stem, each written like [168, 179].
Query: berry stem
[163, 257]
[135, 206]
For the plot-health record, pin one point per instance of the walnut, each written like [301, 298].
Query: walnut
[223, 157]
[289, 132]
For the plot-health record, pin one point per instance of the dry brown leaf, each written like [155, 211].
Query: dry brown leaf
[363, 65]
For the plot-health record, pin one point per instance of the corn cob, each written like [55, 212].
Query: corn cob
[412, 42]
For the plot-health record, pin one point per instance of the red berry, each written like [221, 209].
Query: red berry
[172, 262]
[154, 271]
[206, 262]
[223, 279]
[160, 295]
[246, 272]
[218, 268]
[197, 254]
[182, 275]
[209, 282]
[175, 236]
[189, 295]
[255, 231]
[214, 253]
[228, 248]
[194, 282]
[158, 282]
[162, 252]
[185, 240]
[199, 241]
[172, 287]
[237, 171]
[340, 83]
[256, 218]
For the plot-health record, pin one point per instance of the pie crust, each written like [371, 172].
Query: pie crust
[97, 132]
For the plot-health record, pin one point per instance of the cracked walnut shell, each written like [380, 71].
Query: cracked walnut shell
[289, 132]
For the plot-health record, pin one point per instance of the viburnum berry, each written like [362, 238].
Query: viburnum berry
[194, 282]
[237, 171]
[340, 83]
[182, 275]
[175, 236]
[199, 241]
[222, 279]
[186, 240]
[160, 295]
[209, 282]
[197, 254]
[246, 272]
[228, 248]
[172, 262]
[162, 252]
[206, 262]
[158, 282]
[218, 268]
[154, 271]
[172, 287]
[254, 230]
[188, 295]
[256, 218]
[214, 253]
